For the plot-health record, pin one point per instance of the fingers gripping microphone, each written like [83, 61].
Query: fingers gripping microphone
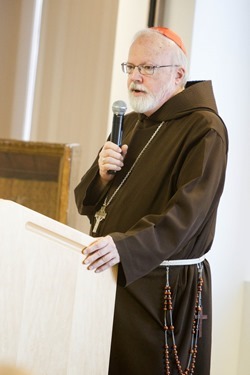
[119, 108]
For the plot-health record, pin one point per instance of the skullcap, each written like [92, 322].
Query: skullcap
[171, 35]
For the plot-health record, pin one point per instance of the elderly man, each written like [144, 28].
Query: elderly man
[156, 215]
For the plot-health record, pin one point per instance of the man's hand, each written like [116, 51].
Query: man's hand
[101, 254]
[111, 159]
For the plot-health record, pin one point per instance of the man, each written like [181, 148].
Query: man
[156, 215]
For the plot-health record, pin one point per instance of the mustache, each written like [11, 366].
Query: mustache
[137, 87]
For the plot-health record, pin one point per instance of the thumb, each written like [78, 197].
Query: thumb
[124, 150]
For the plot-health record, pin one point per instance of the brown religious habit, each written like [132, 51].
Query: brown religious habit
[162, 206]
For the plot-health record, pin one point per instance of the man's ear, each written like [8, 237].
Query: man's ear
[180, 74]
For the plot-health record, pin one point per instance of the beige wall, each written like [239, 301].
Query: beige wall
[74, 75]
[71, 101]
[10, 13]
[16, 25]
[74, 72]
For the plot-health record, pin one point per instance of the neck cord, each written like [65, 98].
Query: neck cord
[101, 214]
[108, 201]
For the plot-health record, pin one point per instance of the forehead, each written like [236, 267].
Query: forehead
[148, 48]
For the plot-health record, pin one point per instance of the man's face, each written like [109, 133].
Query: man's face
[147, 93]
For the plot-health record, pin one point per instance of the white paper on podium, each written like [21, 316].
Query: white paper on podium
[55, 316]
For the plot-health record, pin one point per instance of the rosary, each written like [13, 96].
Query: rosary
[101, 214]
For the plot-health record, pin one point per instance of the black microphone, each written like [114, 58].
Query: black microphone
[119, 108]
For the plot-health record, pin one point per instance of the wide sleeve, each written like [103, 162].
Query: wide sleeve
[185, 228]
[87, 192]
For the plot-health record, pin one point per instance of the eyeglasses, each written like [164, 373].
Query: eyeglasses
[146, 70]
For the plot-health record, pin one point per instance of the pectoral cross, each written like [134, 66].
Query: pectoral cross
[201, 318]
[99, 216]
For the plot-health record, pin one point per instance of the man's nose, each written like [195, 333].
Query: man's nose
[135, 75]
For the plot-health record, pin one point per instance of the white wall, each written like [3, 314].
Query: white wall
[179, 16]
[221, 52]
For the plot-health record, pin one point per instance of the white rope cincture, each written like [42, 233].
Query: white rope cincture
[183, 262]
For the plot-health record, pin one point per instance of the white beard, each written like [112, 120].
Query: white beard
[148, 101]
[141, 104]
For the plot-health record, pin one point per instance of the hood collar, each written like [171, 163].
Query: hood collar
[197, 95]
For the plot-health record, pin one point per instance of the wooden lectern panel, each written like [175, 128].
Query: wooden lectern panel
[39, 176]
[55, 316]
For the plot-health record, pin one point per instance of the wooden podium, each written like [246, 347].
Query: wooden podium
[55, 316]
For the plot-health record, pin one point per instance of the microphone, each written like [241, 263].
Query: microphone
[119, 108]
